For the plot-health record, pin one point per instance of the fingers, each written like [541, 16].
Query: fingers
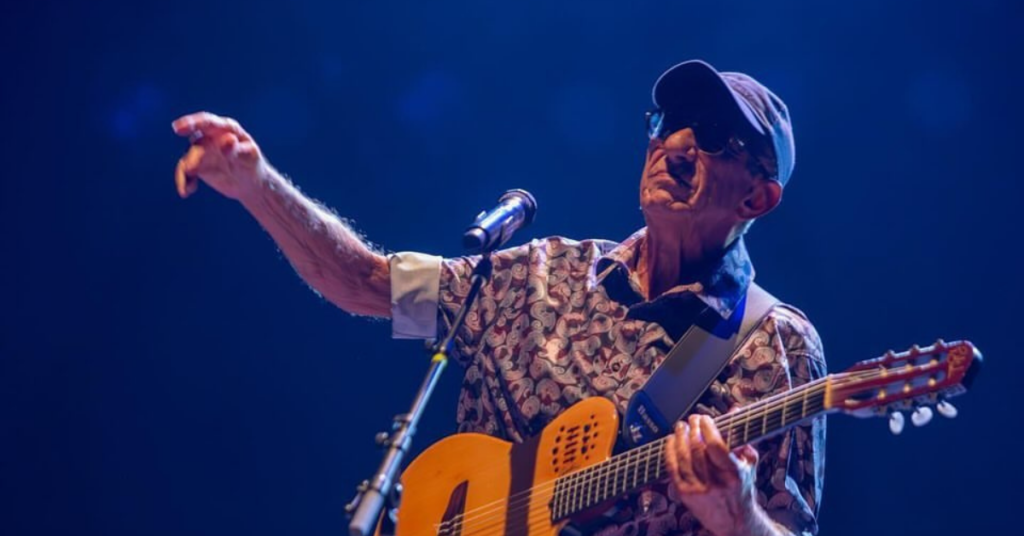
[671, 462]
[207, 125]
[684, 454]
[679, 460]
[698, 449]
[181, 179]
[698, 459]
[185, 179]
[721, 465]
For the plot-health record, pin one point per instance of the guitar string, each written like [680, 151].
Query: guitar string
[611, 476]
[544, 511]
[537, 515]
[614, 469]
[480, 522]
[618, 480]
[727, 424]
[623, 460]
[616, 462]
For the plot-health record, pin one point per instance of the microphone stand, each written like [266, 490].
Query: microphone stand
[383, 487]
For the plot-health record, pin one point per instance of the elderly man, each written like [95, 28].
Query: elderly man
[562, 320]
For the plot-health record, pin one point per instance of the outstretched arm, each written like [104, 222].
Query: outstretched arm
[325, 251]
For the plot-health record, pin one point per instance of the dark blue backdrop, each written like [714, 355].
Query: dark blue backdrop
[164, 372]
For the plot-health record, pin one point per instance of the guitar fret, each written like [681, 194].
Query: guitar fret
[646, 468]
[556, 507]
[603, 486]
[619, 475]
[610, 480]
[653, 461]
[560, 496]
[614, 478]
[569, 493]
[785, 406]
[657, 460]
[624, 470]
[622, 476]
[643, 458]
[803, 411]
[627, 469]
[584, 488]
[577, 487]
[593, 481]
[636, 469]
[602, 483]
[764, 421]
[594, 486]
[746, 429]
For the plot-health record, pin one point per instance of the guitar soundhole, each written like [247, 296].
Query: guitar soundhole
[574, 443]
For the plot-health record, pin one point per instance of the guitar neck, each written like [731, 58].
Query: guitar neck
[586, 488]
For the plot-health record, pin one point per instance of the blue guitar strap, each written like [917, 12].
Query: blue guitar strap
[697, 358]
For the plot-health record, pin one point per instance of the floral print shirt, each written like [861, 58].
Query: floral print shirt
[563, 320]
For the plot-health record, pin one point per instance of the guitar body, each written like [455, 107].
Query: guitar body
[476, 485]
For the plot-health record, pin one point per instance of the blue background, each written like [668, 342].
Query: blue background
[163, 371]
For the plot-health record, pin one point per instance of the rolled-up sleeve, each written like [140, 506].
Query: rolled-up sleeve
[415, 283]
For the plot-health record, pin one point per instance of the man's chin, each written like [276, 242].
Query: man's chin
[662, 201]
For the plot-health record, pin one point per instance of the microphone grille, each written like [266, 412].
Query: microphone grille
[529, 203]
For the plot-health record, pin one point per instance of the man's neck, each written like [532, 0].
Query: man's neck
[669, 258]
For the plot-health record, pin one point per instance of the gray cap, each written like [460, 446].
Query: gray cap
[696, 84]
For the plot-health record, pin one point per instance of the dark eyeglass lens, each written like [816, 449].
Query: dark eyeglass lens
[712, 137]
[654, 123]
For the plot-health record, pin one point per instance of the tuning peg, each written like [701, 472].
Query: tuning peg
[946, 409]
[896, 423]
[921, 416]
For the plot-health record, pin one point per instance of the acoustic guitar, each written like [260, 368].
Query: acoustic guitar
[477, 485]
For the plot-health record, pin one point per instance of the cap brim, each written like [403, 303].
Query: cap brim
[696, 85]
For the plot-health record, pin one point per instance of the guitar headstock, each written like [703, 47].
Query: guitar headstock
[912, 380]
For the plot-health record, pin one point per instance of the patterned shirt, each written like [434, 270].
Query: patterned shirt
[562, 320]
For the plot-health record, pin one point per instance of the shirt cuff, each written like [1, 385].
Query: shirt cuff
[415, 281]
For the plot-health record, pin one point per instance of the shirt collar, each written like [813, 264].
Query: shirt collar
[721, 288]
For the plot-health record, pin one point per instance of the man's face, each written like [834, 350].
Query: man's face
[681, 182]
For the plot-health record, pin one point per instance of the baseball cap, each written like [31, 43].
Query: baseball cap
[695, 84]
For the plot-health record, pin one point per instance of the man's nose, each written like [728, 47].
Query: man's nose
[681, 144]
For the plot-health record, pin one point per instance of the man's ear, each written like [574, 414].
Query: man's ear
[764, 196]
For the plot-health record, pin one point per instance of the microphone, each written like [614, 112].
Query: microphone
[516, 209]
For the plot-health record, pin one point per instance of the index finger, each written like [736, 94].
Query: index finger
[208, 124]
[710, 431]
[717, 450]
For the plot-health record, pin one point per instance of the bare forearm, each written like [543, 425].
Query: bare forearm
[326, 252]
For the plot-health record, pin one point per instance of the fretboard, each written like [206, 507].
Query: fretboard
[586, 488]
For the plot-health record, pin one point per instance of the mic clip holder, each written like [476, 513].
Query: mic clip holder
[383, 489]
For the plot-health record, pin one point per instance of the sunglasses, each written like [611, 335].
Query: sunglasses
[713, 136]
